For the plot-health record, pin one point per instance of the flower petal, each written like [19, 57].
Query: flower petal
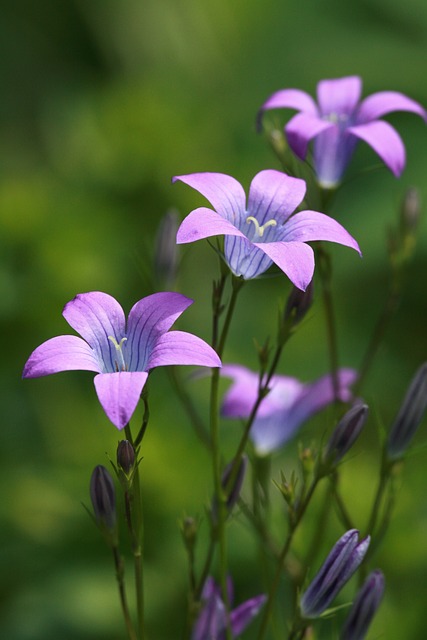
[295, 259]
[308, 226]
[274, 196]
[339, 95]
[383, 102]
[242, 615]
[119, 394]
[385, 141]
[302, 128]
[244, 258]
[180, 347]
[204, 223]
[225, 193]
[63, 353]
[291, 99]
[148, 320]
[96, 315]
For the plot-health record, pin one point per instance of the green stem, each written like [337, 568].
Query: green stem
[118, 562]
[325, 271]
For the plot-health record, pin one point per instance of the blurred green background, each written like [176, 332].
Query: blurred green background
[103, 101]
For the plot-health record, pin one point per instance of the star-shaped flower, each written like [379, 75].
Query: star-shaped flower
[285, 408]
[121, 353]
[339, 120]
[263, 230]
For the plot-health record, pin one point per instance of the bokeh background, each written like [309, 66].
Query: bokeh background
[102, 102]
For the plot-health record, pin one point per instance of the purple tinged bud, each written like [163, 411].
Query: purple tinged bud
[103, 497]
[298, 304]
[339, 566]
[410, 415]
[166, 250]
[346, 433]
[125, 456]
[364, 607]
[410, 211]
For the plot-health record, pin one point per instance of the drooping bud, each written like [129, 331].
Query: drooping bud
[364, 607]
[166, 250]
[125, 457]
[410, 415]
[103, 497]
[345, 557]
[345, 434]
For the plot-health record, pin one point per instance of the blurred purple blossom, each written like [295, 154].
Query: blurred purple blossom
[122, 354]
[285, 408]
[345, 557]
[212, 622]
[339, 120]
[263, 230]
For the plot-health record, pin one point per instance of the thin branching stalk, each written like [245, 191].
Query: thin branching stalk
[120, 571]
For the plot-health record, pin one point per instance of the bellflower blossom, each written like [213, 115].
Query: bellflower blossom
[285, 408]
[211, 623]
[263, 230]
[343, 560]
[364, 607]
[122, 354]
[339, 120]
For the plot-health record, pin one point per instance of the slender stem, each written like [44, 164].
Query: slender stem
[325, 271]
[187, 403]
[118, 562]
[339, 503]
[137, 536]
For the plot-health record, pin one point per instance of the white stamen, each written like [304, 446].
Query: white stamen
[120, 362]
[259, 229]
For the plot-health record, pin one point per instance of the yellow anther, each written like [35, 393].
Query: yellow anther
[259, 229]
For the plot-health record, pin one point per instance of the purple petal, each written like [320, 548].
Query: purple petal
[63, 353]
[308, 226]
[274, 195]
[383, 102]
[149, 319]
[291, 99]
[225, 194]
[302, 128]
[385, 141]
[332, 152]
[180, 347]
[244, 258]
[204, 223]
[295, 259]
[96, 315]
[119, 394]
[339, 96]
[244, 613]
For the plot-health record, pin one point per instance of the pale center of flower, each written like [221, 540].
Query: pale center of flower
[120, 362]
[260, 228]
[336, 118]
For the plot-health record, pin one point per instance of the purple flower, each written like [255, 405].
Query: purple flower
[364, 607]
[122, 354]
[345, 557]
[286, 407]
[339, 120]
[211, 623]
[263, 230]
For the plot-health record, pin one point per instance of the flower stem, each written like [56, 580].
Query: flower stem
[325, 271]
[118, 562]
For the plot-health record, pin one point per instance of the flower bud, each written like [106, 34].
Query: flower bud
[233, 491]
[125, 456]
[410, 212]
[166, 250]
[410, 415]
[298, 304]
[345, 433]
[345, 557]
[189, 528]
[103, 497]
[364, 607]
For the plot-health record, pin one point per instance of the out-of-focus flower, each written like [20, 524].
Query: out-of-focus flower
[339, 120]
[345, 557]
[103, 497]
[285, 408]
[263, 230]
[345, 433]
[364, 607]
[410, 415]
[212, 622]
[122, 354]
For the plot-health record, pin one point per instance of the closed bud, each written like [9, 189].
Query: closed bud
[103, 497]
[410, 211]
[189, 528]
[410, 415]
[166, 250]
[125, 457]
[231, 486]
[298, 304]
[364, 607]
[345, 434]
